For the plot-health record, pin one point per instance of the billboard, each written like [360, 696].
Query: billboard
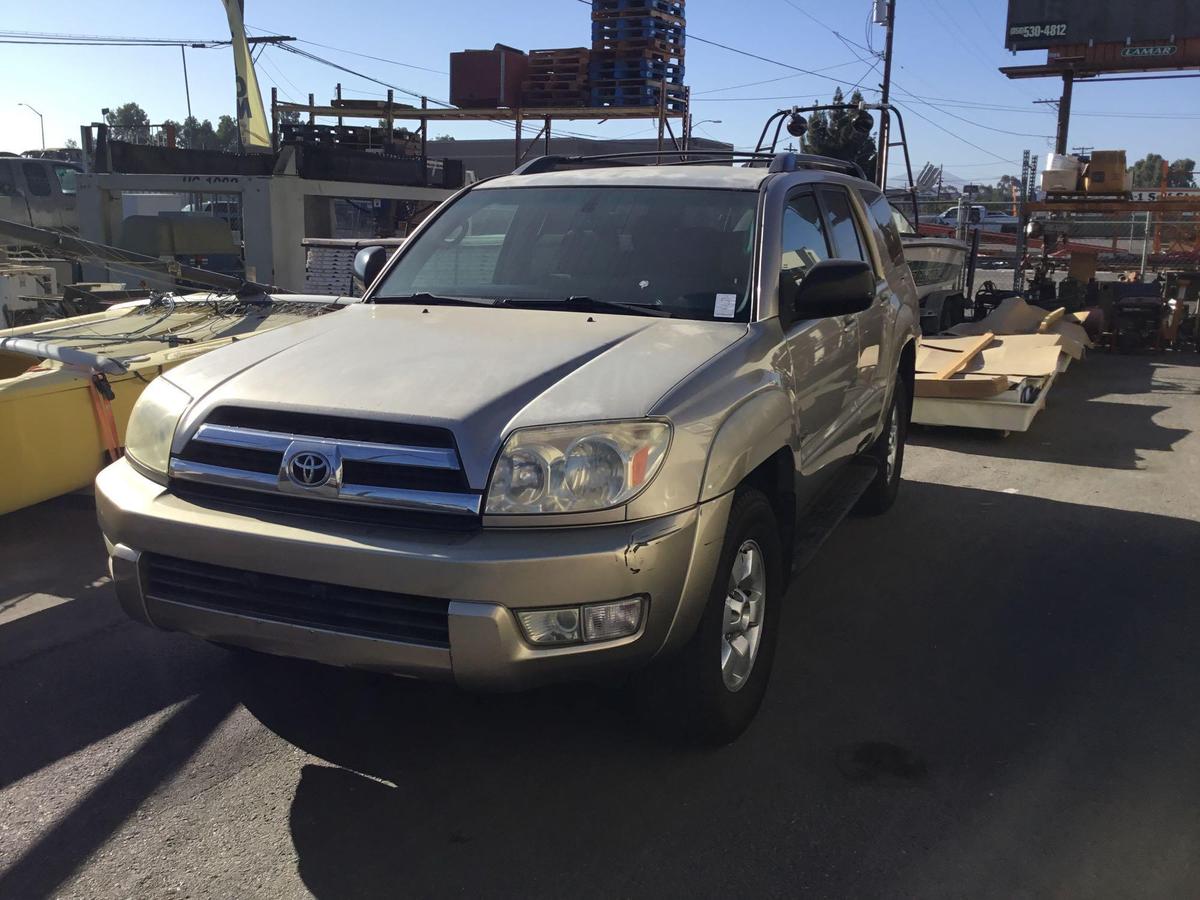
[1042, 24]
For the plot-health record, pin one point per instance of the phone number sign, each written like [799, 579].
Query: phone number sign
[1037, 31]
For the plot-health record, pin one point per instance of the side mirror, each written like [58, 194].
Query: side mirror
[836, 287]
[368, 263]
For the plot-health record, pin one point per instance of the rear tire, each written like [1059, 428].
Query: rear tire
[709, 692]
[888, 452]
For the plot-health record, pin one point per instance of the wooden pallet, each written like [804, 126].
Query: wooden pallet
[553, 99]
[633, 17]
[663, 49]
[674, 7]
[553, 84]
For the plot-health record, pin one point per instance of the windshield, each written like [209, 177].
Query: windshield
[685, 251]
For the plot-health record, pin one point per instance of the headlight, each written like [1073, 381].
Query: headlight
[575, 468]
[152, 425]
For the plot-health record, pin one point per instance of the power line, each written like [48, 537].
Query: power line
[390, 62]
[952, 134]
[733, 87]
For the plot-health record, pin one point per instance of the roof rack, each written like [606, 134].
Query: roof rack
[775, 162]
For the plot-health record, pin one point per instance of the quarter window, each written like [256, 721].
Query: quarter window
[66, 178]
[36, 178]
[886, 218]
[846, 240]
[803, 243]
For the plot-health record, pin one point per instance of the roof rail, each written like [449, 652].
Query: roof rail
[790, 162]
[775, 162]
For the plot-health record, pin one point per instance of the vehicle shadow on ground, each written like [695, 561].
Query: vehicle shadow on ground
[1002, 703]
[1077, 427]
[79, 671]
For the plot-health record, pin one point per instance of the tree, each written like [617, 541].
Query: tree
[128, 122]
[71, 144]
[227, 134]
[1182, 174]
[833, 134]
[197, 135]
[1147, 173]
[444, 137]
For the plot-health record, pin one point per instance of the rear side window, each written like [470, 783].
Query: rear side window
[66, 178]
[803, 243]
[37, 179]
[885, 217]
[847, 242]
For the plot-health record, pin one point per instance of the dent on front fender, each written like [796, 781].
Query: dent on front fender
[753, 432]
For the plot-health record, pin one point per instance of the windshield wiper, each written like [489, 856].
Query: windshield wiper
[436, 300]
[590, 304]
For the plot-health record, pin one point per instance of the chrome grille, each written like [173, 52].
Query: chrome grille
[402, 467]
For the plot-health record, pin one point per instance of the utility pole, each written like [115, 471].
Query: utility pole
[1064, 114]
[1062, 106]
[884, 116]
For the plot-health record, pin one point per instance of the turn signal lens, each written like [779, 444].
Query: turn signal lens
[608, 621]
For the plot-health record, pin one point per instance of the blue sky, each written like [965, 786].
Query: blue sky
[947, 54]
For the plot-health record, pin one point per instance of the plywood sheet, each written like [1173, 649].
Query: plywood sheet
[961, 387]
[1020, 359]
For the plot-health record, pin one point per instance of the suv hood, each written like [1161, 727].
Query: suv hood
[479, 372]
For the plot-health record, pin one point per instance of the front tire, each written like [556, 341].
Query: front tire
[709, 692]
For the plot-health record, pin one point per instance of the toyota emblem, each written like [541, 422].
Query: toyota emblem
[308, 469]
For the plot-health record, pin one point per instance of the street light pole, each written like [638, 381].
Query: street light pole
[41, 121]
[687, 137]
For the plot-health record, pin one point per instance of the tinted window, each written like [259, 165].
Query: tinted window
[36, 178]
[66, 178]
[885, 217]
[842, 227]
[685, 250]
[803, 243]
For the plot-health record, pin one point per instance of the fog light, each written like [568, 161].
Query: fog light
[551, 626]
[608, 621]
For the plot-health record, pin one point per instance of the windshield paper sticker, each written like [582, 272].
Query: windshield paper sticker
[726, 306]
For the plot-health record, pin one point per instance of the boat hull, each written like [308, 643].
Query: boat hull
[51, 441]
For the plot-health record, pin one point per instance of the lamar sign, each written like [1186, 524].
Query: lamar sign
[1149, 52]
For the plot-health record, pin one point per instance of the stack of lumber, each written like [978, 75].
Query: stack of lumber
[637, 53]
[329, 270]
[556, 78]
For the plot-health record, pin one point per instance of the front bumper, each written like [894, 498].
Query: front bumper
[484, 575]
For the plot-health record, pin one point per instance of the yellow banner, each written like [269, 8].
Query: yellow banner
[252, 118]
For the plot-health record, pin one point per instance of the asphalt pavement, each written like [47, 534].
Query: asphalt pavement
[990, 692]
